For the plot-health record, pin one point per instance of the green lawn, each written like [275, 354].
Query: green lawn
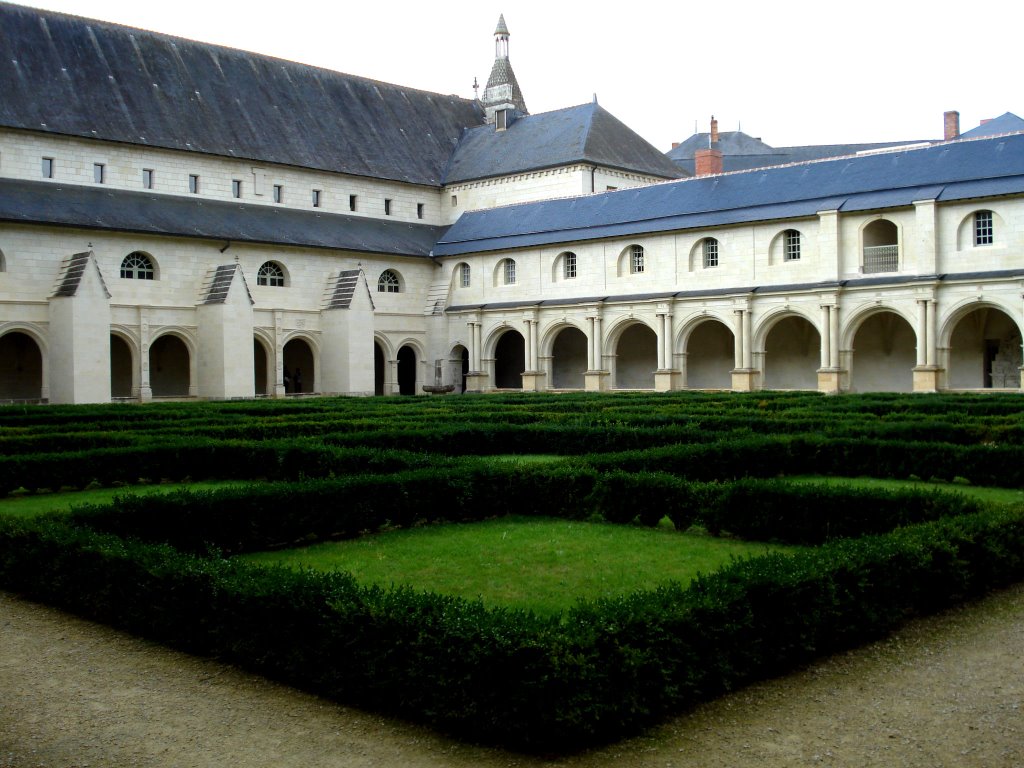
[31, 505]
[540, 564]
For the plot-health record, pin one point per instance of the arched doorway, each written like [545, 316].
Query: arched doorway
[169, 367]
[792, 355]
[21, 367]
[884, 355]
[569, 359]
[710, 356]
[509, 361]
[458, 360]
[406, 371]
[636, 358]
[299, 366]
[260, 368]
[985, 351]
[379, 368]
[121, 368]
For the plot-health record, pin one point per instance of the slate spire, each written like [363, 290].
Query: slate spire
[502, 90]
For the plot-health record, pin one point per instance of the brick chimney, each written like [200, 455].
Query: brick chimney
[707, 161]
[714, 130]
[951, 125]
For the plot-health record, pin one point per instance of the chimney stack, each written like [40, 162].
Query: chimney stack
[707, 162]
[951, 125]
[714, 130]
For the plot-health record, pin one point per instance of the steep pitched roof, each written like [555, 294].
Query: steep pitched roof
[950, 171]
[67, 75]
[587, 133]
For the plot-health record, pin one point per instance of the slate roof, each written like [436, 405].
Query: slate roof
[1005, 123]
[41, 202]
[950, 171]
[67, 75]
[586, 133]
[741, 152]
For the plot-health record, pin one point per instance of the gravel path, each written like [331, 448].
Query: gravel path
[944, 691]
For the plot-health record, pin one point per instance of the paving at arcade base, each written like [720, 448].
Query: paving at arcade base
[947, 690]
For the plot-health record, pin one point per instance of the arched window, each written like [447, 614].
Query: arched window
[270, 274]
[791, 245]
[636, 259]
[464, 275]
[508, 271]
[569, 265]
[137, 266]
[709, 249]
[388, 282]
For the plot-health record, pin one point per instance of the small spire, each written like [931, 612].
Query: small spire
[502, 28]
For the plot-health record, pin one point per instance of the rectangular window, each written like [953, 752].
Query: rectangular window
[147, 178]
[316, 198]
[351, 202]
[278, 193]
[569, 269]
[99, 173]
[611, 189]
[464, 275]
[419, 210]
[500, 120]
[193, 183]
[236, 188]
[792, 243]
[387, 207]
[47, 167]
[455, 201]
[983, 228]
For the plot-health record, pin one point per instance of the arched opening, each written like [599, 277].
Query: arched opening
[792, 355]
[459, 362]
[169, 367]
[299, 366]
[569, 359]
[509, 361]
[710, 356]
[121, 368]
[881, 247]
[260, 368]
[21, 367]
[985, 351]
[636, 358]
[379, 366]
[884, 355]
[406, 371]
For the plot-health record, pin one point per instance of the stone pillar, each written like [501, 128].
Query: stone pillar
[926, 372]
[278, 361]
[745, 376]
[596, 377]
[665, 378]
[533, 378]
[829, 373]
[476, 377]
[145, 388]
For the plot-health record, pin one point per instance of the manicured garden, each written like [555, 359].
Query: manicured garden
[614, 499]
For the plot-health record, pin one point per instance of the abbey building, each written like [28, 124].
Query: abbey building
[183, 220]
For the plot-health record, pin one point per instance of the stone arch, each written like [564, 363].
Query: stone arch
[407, 364]
[273, 274]
[124, 367]
[380, 363]
[139, 265]
[881, 246]
[709, 345]
[170, 365]
[264, 371]
[789, 344]
[458, 365]
[509, 354]
[22, 369]
[300, 367]
[568, 349]
[634, 346]
[882, 348]
[786, 246]
[965, 230]
[462, 275]
[982, 341]
[564, 267]
[390, 280]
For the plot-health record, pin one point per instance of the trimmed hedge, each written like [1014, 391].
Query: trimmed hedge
[594, 674]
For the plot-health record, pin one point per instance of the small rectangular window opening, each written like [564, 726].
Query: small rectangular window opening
[99, 173]
[351, 202]
[419, 210]
[501, 120]
[455, 201]
[316, 198]
[236, 188]
[193, 183]
[47, 168]
[147, 178]
[278, 193]
[387, 206]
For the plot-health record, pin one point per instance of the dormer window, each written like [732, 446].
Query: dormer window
[501, 119]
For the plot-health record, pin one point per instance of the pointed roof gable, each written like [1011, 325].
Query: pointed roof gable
[1005, 123]
[587, 133]
[73, 272]
[67, 75]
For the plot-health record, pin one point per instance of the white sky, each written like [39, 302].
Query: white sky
[791, 72]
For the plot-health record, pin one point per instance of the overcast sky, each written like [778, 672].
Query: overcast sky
[791, 72]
